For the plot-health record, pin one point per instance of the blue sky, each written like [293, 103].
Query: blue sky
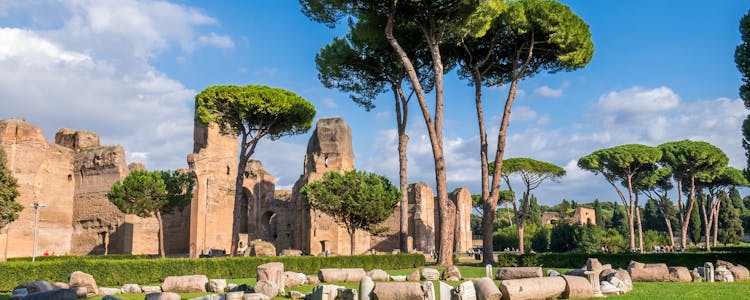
[129, 70]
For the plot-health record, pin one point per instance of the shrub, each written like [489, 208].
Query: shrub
[114, 272]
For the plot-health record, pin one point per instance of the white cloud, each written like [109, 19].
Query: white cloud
[546, 91]
[638, 100]
[219, 41]
[330, 103]
[522, 114]
[383, 115]
[90, 68]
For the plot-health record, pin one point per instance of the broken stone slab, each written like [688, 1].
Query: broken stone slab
[267, 287]
[533, 288]
[679, 274]
[59, 294]
[109, 291]
[131, 288]
[465, 291]
[185, 284]
[312, 279]
[341, 275]
[430, 274]
[593, 264]
[81, 291]
[740, 272]
[486, 289]
[623, 286]
[446, 290]
[216, 285]
[397, 277]
[452, 273]
[80, 279]
[163, 296]
[398, 291]
[295, 295]
[708, 271]
[36, 286]
[488, 270]
[723, 274]
[413, 276]
[231, 287]
[551, 273]
[518, 273]
[366, 285]
[234, 295]
[262, 248]
[648, 272]
[291, 252]
[273, 271]
[325, 292]
[292, 279]
[577, 287]
[347, 294]
[608, 289]
[148, 289]
[255, 296]
[696, 275]
[60, 285]
[604, 275]
[429, 290]
[377, 275]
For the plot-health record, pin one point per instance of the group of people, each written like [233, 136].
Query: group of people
[670, 248]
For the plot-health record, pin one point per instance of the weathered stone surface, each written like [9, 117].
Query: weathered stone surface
[488, 271]
[518, 273]
[231, 287]
[377, 275]
[723, 274]
[295, 295]
[621, 279]
[163, 296]
[708, 271]
[325, 292]
[267, 287]
[61, 294]
[577, 287]
[462, 200]
[397, 277]
[36, 286]
[593, 264]
[648, 272]
[679, 274]
[76, 139]
[398, 290]
[292, 279]
[234, 295]
[273, 271]
[696, 276]
[422, 223]
[624, 287]
[312, 279]
[80, 279]
[131, 288]
[185, 284]
[413, 276]
[109, 291]
[724, 263]
[740, 272]
[465, 291]
[608, 289]
[262, 248]
[430, 274]
[341, 275]
[348, 294]
[551, 273]
[533, 288]
[216, 285]
[446, 290]
[291, 252]
[605, 274]
[366, 285]
[486, 289]
[60, 285]
[452, 273]
[210, 297]
[255, 296]
[429, 290]
[149, 289]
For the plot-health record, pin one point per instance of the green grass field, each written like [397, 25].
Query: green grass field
[641, 290]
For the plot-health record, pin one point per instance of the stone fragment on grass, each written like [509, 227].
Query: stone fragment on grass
[234, 295]
[377, 275]
[148, 289]
[325, 292]
[255, 296]
[59, 294]
[216, 285]
[398, 290]
[80, 279]
[109, 291]
[295, 295]
[398, 277]
[486, 289]
[430, 274]
[366, 285]
[267, 287]
[292, 279]
[577, 287]
[648, 272]
[185, 284]
[131, 288]
[341, 274]
[413, 276]
[273, 271]
[533, 288]
[518, 273]
[36, 286]
[679, 274]
[452, 274]
[465, 291]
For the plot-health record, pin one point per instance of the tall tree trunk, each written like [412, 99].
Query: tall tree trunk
[706, 226]
[162, 253]
[640, 224]
[669, 231]
[247, 148]
[685, 212]
[352, 240]
[662, 202]
[403, 140]
[488, 217]
[447, 219]
[631, 214]
[715, 214]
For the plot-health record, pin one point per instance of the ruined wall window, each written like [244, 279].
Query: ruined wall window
[247, 174]
[227, 170]
[326, 161]
[70, 177]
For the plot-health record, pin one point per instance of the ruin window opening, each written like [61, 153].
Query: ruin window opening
[247, 174]
[326, 161]
[70, 177]
[228, 170]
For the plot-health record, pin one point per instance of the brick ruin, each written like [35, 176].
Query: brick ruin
[281, 216]
[72, 177]
[73, 174]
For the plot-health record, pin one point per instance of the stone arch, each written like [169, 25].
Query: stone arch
[269, 230]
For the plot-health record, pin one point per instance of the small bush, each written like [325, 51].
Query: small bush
[115, 272]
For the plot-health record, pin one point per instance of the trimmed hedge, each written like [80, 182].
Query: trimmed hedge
[576, 260]
[68, 257]
[115, 272]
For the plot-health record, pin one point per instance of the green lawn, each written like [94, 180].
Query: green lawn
[641, 290]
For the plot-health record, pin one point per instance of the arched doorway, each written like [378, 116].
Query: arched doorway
[269, 227]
